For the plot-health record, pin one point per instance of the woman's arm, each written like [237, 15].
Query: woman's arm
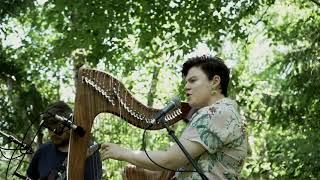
[173, 158]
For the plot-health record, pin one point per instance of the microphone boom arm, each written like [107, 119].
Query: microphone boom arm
[15, 140]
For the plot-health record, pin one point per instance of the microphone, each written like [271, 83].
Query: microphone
[66, 122]
[175, 102]
[15, 140]
[93, 148]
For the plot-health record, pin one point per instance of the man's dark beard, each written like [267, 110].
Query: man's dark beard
[63, 143]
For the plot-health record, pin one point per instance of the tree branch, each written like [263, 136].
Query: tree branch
[263, 14]
[316, 2]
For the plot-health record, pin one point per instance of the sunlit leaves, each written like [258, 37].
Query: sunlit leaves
[293, 99]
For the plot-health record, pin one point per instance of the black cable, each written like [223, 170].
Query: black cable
[22, 154]
[37, 132]
[10, 149]
[8, 157]
[145, 151]
[2, 154]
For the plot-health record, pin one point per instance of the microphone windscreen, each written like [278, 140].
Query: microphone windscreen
[176, 100]
[80, 131]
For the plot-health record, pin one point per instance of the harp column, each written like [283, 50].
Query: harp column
[83, 116]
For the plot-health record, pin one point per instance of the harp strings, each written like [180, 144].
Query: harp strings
[121, 102]
[99, 92]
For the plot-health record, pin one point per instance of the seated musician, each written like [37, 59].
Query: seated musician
[49, 161]
[215, 137]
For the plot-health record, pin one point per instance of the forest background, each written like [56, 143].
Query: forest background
[271, 46]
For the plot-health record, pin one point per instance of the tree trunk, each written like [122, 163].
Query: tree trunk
[153, 87]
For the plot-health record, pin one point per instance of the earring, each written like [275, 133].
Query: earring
[213, 90]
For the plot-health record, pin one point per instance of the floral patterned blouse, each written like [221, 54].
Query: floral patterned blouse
[220, 130]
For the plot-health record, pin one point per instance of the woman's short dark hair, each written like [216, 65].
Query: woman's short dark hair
[211, 66]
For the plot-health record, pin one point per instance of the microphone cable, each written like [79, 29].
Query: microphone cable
[14, 151]
[22, 153]
[145, 151]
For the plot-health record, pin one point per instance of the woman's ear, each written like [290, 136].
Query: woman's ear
[215, 84]
[216, 80]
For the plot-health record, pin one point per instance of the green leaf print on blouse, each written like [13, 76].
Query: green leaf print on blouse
[209, 137]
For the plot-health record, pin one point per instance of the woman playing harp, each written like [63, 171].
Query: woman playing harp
[215, 138]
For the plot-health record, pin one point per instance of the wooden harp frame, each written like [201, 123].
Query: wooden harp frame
[99, 92]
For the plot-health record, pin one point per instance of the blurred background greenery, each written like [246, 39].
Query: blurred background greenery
[272, 48]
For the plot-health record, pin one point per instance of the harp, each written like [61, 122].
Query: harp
[98, 92]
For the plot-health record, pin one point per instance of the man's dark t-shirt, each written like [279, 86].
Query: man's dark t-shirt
[48, 158]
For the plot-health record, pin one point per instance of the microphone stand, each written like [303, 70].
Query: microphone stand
[24, 146]
[171, 133]
[13, 139]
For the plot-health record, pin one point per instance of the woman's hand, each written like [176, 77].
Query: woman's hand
[113, 151]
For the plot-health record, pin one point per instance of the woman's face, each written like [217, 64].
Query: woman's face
[198, 88]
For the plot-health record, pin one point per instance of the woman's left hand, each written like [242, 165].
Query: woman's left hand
[112, 151]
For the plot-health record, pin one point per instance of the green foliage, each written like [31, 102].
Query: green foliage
[134, 39]
[13, 8]
[288, 136]
[107, 30]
